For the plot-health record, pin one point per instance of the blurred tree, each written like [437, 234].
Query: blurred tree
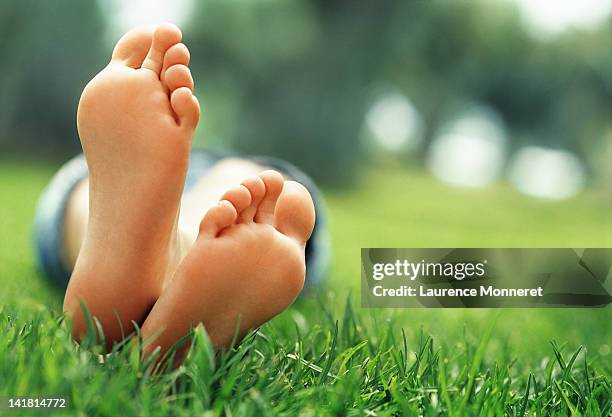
[295, 79]
[554, 92]
[49, 51]
[303, 68]
[304, 72]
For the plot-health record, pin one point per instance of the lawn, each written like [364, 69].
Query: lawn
[327, 356]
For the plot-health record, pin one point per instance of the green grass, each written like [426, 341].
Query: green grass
[327, 356]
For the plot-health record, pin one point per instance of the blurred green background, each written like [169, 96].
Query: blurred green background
[474, 91]
[427, 123]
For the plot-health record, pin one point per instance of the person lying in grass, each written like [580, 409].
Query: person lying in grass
[228, 253]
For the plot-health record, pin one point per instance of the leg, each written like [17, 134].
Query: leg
[205, 193]
[135, 120]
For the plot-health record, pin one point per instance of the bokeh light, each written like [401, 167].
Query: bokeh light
[395, 123]
[470, 151]
[125, 15]
[547, 18]
[547, 173]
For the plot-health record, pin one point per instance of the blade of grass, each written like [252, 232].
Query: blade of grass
[443, 387]
[484, 341]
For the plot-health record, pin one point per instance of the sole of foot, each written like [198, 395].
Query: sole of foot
[135, 120]
[246, 266]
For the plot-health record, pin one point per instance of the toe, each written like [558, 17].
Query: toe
[218, 218]
[186, 107]
[295, 213]
[132, 48]
[178, 76]
[274, 185]
[176, 54]
[240, 197]
[164, 37]
[257, 189]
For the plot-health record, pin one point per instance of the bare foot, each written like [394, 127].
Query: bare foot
[135, 120]
[246, 266]
[208, 190]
